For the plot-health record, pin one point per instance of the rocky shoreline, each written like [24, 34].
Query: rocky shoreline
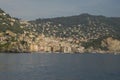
[101, 52]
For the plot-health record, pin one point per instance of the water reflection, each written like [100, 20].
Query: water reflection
[59, 67]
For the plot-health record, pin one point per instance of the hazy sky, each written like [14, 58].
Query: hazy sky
[32, 9]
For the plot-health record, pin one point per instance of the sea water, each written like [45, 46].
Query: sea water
[48, 66]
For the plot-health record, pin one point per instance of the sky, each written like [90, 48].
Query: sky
[34, 9]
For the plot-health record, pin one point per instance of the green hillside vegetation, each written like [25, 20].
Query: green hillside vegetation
[88, 25]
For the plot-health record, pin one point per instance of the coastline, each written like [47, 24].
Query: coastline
[101, 52]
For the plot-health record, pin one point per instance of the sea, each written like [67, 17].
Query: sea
[54, 66]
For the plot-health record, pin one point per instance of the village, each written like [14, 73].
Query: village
[31, 41]
[49, 36]
[37, 43]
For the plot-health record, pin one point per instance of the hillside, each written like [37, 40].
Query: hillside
[9, 23]
[12, 33]
[87, 30]
[71, 34]
[84, 25]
